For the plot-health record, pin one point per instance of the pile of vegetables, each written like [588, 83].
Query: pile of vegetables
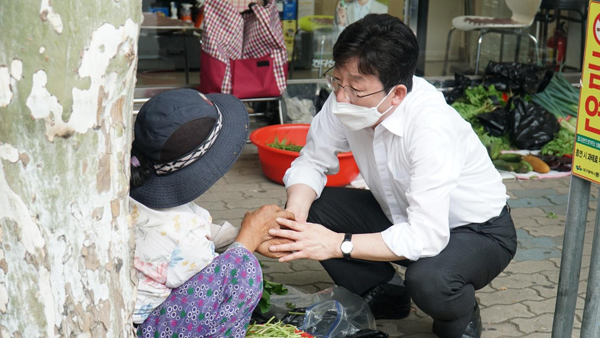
[527, 163]
[520, 164]
[479, 100]
[559, 98]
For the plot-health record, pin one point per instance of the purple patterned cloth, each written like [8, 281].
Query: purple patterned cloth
[216, 302]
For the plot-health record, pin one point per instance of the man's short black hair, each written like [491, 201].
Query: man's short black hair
[383, 46]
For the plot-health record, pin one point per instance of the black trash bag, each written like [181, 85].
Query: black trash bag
[532, 126]
[461, 83]
[495, 123]
[258, 317]
[320, 99]
[369, 333]
[517, 77]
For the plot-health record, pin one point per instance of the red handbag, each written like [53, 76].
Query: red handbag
[243, 54]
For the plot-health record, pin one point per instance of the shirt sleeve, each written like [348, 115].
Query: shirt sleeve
[318, 158]
[435, 161]
[194, 251]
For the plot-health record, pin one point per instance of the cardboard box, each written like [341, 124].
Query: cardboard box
[396, 8]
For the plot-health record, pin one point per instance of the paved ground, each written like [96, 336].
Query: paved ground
[518, 303]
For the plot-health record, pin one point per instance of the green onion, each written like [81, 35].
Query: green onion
[559, 98]
[272, 329]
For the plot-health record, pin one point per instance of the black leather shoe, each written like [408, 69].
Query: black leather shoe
[388, 301]
[474, 328]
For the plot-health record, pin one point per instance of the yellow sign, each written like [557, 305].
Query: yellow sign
[586, 159]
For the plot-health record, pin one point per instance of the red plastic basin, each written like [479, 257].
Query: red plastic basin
[275, 162]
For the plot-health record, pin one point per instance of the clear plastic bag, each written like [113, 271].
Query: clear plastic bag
[299, 110]
[336, 312]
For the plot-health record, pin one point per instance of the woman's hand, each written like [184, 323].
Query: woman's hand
[263, 248]
[311, 240]
[256, 225]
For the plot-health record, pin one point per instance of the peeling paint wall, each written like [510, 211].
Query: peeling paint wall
[67, 73]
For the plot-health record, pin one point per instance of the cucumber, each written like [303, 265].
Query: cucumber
[503, 165]
[511, 157]
[529, 166]
[494, 150]
[523, 167]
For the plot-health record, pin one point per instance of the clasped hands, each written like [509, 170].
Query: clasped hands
[278, 233]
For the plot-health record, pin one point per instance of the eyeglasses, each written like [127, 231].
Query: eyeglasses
[335, 85]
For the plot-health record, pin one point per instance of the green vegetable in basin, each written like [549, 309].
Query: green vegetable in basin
[284, 145]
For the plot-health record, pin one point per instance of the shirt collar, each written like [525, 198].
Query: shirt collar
[396, 121]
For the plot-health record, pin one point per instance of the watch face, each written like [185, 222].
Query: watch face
[347, 247]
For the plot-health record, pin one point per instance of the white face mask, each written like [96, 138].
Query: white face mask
[357, 117]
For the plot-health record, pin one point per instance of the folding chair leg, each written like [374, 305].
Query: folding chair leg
[447, 50]
[537, 50]
[279, 106]
[518, 48]
[501, 45]
[481, 34]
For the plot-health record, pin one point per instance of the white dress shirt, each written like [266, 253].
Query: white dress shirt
[424, 164]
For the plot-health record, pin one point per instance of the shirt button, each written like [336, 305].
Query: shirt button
[382, 168]
[388, 193]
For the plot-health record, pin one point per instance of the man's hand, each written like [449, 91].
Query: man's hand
[300, 198]
[263, 248]
[309, 240]
[299, 214]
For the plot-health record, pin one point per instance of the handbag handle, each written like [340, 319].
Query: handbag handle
[252, 4]
[264, 20]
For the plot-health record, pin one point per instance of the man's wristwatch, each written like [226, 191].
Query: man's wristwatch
[347, 246]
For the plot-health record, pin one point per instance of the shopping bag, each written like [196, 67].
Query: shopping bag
[244, 53]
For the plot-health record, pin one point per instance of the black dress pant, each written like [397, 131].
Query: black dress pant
[442, 286]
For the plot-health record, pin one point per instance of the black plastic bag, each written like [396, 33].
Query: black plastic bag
[295, 317]
[368, 333]
[517, 77]
[321, 98]
[461, 83]
[258, 317]
[532, 126]
[495, 123]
